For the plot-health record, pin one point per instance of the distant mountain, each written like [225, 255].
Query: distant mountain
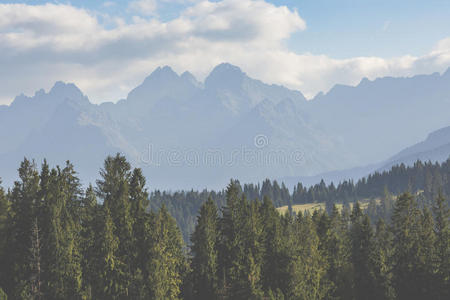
[436, 148]
[381, 117]
[189, 134]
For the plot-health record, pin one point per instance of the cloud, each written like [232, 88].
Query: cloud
[144, 7]
[107, 56]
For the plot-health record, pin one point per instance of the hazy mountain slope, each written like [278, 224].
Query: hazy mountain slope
[381, 117]
[435, 148]
[64, 132]
[27, 114]
[185, 134]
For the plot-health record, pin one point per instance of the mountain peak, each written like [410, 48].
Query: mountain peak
[187, 76]
[227, 68]
[67, 89]
[164, 72]
[225, 75]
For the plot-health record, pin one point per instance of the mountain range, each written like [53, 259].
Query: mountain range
[190, 134]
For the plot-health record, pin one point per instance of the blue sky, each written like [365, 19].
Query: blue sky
[305, 45]
[341, 29]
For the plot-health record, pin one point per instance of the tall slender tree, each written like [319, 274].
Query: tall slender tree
[205, 252]
[113, 188]
[167, 262]
[442, 231]
[23, 211]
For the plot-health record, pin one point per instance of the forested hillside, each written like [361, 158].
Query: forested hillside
[60, 242]
[425, 179]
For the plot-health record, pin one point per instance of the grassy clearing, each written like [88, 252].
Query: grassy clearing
[311, 207]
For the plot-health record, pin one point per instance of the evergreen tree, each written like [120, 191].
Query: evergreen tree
[61, 257]
[362, 244]
[138, 205]
[307, 267]
[35, 262]
[108, 280]
[167, 265]
[406, 230]
[89, 231]
[4, 212]
[23, 211]
[338, 248]
[205, 253]
[442, 246]
[113, 188]
[381, 263]
[274, 270]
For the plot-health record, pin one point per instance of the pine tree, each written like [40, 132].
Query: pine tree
[35, 262]
[138, 204]
[23, 212]
[386, 206]
[4, 212]
[381, 263]
[229, 241]
[426, 256]
[274, 269]
[205, 253]
[307, 266]
[113, 188]
[241, 246]
[167, 265]
[442, 246]
[107, 283]
[362, 243]
[338, 248]
[255, 249]
[405, 227]
[61, 257]
[89, 231]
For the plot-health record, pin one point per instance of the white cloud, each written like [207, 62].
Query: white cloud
[45, 43]
[144, 7]
[108, 4]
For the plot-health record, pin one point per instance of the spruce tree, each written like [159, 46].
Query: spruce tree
[109, 270]
[274, 272]
[61, 256]
[362, 244]
[405, 227]
[442, 246]
[381, 263]
[138, 204]
[307, 267]
[166, 266]
[89, 231]
[338, 248]
[23, 211]
[113, 188]
[35, 262]
[205, 252]
[4, 212]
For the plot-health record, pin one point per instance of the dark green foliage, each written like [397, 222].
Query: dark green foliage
[425, 179]
[3, 295]
[442, 246]
[58, 242]
[4, 212]
[205, 261]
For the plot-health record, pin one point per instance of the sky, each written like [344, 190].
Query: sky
[108, 47]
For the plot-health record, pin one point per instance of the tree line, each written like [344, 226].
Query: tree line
[425, 177]
[58, 241]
